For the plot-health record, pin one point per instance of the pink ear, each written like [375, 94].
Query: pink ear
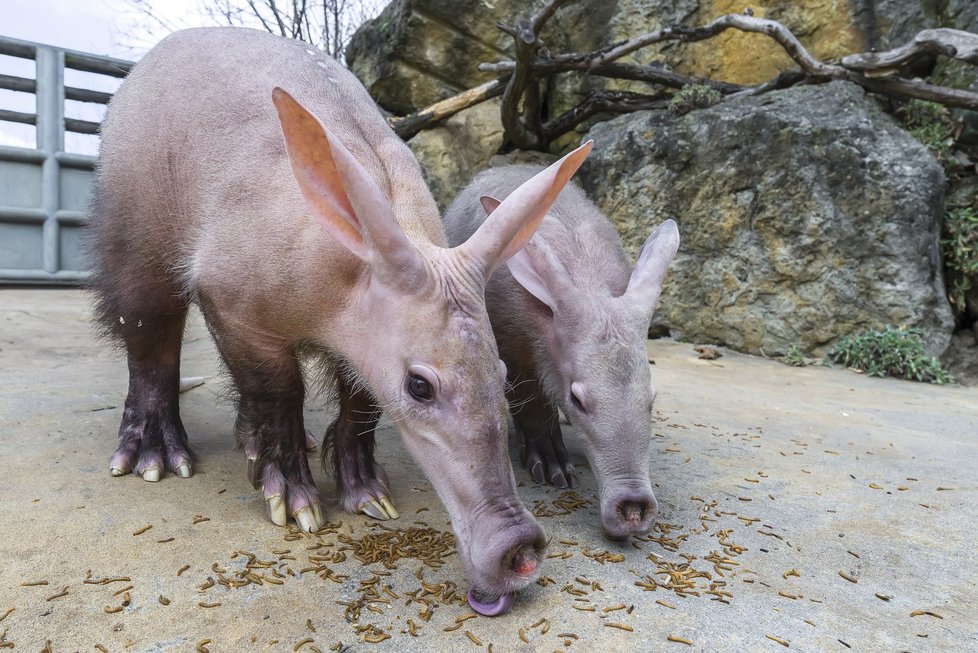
[645, 284]
[517, 217]
[537, 268]
[523, 268]
[311, 155]
[489, 203]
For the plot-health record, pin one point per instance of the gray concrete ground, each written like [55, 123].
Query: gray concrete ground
[812, 508]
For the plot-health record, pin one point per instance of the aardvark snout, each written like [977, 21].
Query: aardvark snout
[629, 511]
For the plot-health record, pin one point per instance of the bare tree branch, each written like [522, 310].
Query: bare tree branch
[408, 126]
[953, 43]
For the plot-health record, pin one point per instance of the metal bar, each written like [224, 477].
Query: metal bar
[75, 218]
[22, 214]
[70, 160]
[17, 116]
[20, 154]
[90, 63]
[15, 83]
[87, 95]
[81, 126]
[42, 276]
[50, 140]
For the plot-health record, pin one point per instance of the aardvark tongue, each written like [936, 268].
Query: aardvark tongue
[502, 605]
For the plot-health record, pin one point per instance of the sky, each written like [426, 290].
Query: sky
[106, 27]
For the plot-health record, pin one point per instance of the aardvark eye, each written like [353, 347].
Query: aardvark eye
[419, 388]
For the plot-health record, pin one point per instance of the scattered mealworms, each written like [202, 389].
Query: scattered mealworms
[567, 635]
[522, 634]
[475, 640]
[787, 596]
[568, 542]
[917, 613]
[310, 626]
[810, 623]
[202, 646]
[142, 530]
[584, 608]
[303, 642]
[99, 647]
[664, 604]
[208, 605]
[123, 590]
[110, 610]
[540, 621]
[47, 646]
[778, 640]
[546, 627]
[612, 608]
[182, 569]
[7, 613]
[63, 592]
[883, 597]
[200, 518]
[34, 583]
[876, 486]
[791, 572]
[851, 579]
[165, 540]
[942, 489]
[612, 624]
[126, 600]
[679, 640]
[163, 600]
[852, 553]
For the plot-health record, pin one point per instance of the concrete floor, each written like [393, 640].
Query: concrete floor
[845, 476]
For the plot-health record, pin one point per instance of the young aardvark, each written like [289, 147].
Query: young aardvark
[571, 321]
[324, 241]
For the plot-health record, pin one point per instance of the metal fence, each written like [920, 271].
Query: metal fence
[44, 190]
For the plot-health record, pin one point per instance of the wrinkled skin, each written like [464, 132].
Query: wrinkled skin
[301, 225]
[571, 319]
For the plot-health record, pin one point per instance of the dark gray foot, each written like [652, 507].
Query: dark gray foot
[543, 452]
[361, 482]
[148, 446]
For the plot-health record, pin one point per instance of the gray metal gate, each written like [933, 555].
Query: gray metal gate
[44, 190]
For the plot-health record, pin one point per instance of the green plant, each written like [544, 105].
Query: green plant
[930, 123]
[960, 246]
[795, 357]
[693, 96]
[890, 352]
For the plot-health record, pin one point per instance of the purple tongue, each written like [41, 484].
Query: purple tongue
[502, 605]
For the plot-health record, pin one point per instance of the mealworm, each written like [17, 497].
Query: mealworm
[164, 541]
[34, 583]
[7, 613]
[523, 634]
[778, 640]
[851, 579]
[63, 592]
[99, 647]
[620, 606]
[208, 605]
[142, 530]
[540, 621]
[126, 599]
[202, 646]
[303, 642]
[619, 626]
[567, 635]
[310, 626]
[917, 613]
[183, 569]
[883, 597]
[475, 640]
[163, 600]
[679, 640]
[110, 610]
[664, 604]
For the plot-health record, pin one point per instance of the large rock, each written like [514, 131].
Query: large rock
[806, 215]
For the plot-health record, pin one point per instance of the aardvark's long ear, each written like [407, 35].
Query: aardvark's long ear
[647, 278]
[517, 217]
[341, 193]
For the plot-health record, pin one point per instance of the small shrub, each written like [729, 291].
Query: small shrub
[693, 96]
[795, 357]
[960, 247]
[930, 123]
[890, 352]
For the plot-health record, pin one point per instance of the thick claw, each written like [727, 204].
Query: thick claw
[306, 519]
[389, 508]
[537, 471]
[191, 382]
[276, 509]
[557, 479]
[502, 605]
[153, 474]
[254, 475]
[320, 514]
[183, 471]
[311, 443]
[373, 509]
[119, 471]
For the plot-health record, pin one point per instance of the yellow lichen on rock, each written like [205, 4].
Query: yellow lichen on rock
[825, 27]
